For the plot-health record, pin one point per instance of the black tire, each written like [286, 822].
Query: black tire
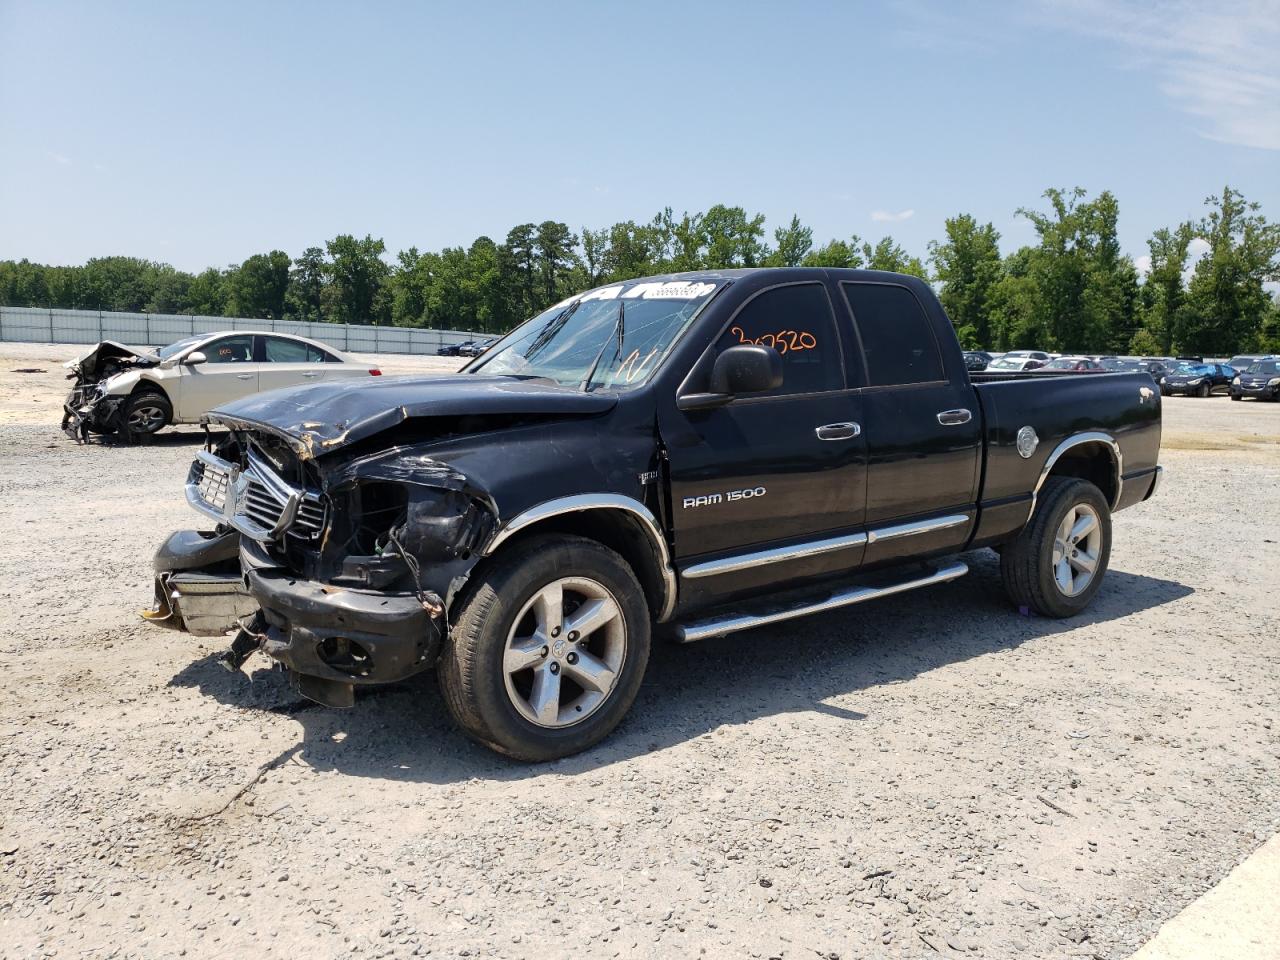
[1026, 565]
[1203, 390]
[146, 412]
[471, 668]
[1235, 396]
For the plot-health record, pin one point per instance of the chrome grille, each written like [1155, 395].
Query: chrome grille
[212, 484]
[264, 506]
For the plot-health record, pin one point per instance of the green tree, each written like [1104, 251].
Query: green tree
[1226, 300]
[1085, 291]
[794, 242]
[207, 295]
[595, 245]
[554, 248]
[968, 265]
[307, 280]
[1164, 292]
[836, 253]
[732, 238]
[887, 255]
[520, 266]
[258, 286]
[359, 275]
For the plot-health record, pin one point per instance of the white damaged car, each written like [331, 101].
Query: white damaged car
[127, 392]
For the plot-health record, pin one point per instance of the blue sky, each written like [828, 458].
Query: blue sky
[201, 134]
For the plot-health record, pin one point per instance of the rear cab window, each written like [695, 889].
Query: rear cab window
[898, 345]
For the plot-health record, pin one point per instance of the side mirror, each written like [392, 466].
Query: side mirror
[746, 368]
[194, 357]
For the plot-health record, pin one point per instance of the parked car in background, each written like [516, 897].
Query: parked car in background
[975, 360]
[1038, 355]
[1074, 365]
[1155, 368]
[1260, 380]
[1010, 363]
[1244, 361]
[473, 348]
[453, 349]
[119, 390]
[1197, 379]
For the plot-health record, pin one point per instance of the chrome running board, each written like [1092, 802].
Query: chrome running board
[719, 626]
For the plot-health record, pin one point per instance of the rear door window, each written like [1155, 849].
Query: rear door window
[796, 320]
[282, 350]
[897, 340]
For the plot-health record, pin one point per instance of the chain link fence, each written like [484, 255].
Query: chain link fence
[41, 325]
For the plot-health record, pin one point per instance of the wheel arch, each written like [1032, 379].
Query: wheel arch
[1092, 456]
[147, 385]
[620, 523]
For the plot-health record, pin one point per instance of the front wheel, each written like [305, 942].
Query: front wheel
[1235, 396]
[1056, 564]
[1203, 391]
[548, 649]
[146, 412]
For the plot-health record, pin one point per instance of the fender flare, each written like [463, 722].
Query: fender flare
[600, 501]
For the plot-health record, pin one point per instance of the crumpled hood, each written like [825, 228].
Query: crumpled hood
[323, 417]
[87, 366]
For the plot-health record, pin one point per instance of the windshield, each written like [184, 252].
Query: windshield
[1063, 363]
[164, 353]
[1265, 368]
[1007, 363]
[1200, 369]
[609, 337]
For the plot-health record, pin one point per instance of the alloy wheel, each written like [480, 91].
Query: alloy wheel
[564, 652]
[146, 418]
[1077, 547]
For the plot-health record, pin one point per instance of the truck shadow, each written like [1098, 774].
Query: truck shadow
[403, 731]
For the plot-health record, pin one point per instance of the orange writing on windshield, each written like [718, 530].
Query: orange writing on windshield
[784, 341]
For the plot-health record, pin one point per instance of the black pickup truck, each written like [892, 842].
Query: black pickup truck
[695, 454]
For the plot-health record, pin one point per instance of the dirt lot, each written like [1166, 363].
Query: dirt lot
[933, 775]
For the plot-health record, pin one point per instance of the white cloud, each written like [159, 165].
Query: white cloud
[1219, 62]
[59, 159]
[885, 216]
[1143, 264]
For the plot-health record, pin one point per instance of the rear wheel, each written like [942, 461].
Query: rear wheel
[146, 412]
[1204, 390]
[548, 651]
[1056, 564]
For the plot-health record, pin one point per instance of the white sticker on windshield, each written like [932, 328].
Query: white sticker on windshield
[669, 290]
[604, 293]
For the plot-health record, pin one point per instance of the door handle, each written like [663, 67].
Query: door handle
[954, 418]
[244, 376]
[838, 431]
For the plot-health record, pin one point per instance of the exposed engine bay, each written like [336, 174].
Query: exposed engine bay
[88, 409]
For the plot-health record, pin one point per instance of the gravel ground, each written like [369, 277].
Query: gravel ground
[931, 775]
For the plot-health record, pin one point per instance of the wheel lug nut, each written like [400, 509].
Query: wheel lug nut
[545, 651]
[555, 631]
[573, 636]
[572, 658]
[555, 667]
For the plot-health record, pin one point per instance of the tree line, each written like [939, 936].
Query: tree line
[1073, 290]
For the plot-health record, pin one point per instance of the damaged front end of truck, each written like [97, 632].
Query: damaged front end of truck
[340, 571]
[90, 408]
[342, 530]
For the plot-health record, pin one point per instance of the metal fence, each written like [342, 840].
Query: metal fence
[40, 325]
